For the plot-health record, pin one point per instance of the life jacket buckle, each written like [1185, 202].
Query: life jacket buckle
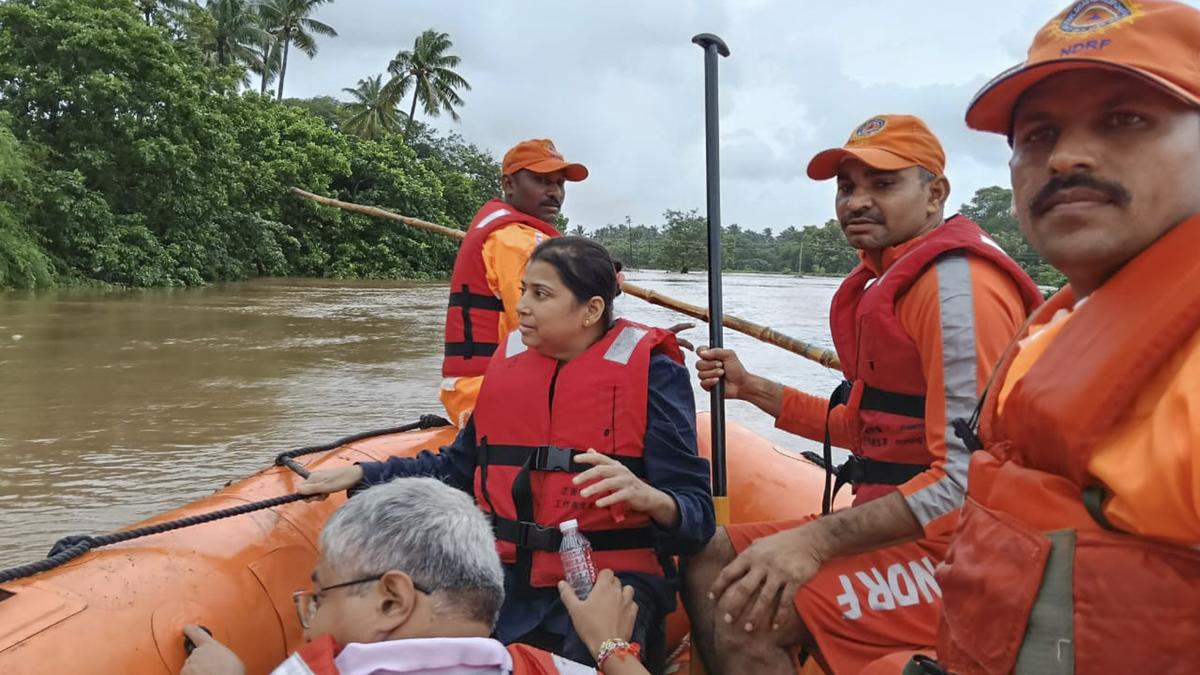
[552, 458]
[537, 538]
[852, 470]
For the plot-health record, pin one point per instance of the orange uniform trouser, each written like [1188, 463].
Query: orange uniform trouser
[458, 396]
[863, 607]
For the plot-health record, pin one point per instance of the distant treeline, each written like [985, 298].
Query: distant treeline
[680, 243]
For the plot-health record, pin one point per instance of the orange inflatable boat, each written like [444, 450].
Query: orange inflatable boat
[121, 608]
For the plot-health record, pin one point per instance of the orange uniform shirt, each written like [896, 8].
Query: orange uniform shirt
[935, 494]
[1148, 461]
[505, 253]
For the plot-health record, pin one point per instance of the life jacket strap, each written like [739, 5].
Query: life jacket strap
[858, 470]
[549, 458]
[840, 396]
[466, 301]
[881, 400]
[534, 537]
[468, 350]
[471, 300]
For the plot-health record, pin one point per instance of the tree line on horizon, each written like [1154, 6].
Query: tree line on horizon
[680, 243]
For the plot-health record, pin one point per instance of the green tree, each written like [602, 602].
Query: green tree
[826, 250]
[237, 32]
[269, 51]
[295, 27]
[327, 108]
[135, 161]
[636, 246]
[429, 72]
[154, 11]
[22, 262]
[990, 207]
[683, 241]
[371, 113]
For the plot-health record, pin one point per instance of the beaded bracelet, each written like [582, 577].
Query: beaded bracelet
[613, 647]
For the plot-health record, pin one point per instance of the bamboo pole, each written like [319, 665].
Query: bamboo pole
[825, 357]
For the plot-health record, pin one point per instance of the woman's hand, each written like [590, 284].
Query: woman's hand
[607, 614]
[619, 486]
[327, 481]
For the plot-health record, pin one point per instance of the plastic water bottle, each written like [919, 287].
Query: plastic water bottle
[576, 555]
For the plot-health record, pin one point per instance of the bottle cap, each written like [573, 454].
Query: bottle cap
[569, 525]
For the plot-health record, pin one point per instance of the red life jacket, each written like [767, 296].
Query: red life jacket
[1035, 572]
[533, 416]
[318, 657]
[473, 312]
[886, 400]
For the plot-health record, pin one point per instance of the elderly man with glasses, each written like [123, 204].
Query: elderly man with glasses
[409, 581]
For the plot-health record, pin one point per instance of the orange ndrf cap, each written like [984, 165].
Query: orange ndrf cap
[1155, 40]
[885, 142]
[540, 156]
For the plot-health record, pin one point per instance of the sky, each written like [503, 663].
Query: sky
[619, 87]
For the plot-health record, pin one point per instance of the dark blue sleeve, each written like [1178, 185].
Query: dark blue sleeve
[453, 464]
[673, 464]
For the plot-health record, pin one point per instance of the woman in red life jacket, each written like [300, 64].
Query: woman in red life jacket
[581, 417]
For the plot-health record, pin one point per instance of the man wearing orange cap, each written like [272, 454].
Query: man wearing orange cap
[1078, 547]
[486, 282]
[917, 325]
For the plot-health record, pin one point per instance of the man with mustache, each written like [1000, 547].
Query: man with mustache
[917, 326]
[1078, 548]
[486, 282]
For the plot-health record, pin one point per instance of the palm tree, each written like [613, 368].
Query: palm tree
[372, 113]
[295, 28]
[427, 70]
[269, 14]
[236, 32]
[149, 8]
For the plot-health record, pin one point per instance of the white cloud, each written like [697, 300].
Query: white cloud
[619, 87]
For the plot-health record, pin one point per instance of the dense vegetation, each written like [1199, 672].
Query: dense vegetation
[148, 143]
[129, 156]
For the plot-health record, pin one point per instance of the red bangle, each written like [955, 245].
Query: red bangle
[610, 648]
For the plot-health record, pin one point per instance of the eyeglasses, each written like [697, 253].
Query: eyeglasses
[307, 602]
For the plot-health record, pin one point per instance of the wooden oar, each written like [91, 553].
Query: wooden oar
[825, 357]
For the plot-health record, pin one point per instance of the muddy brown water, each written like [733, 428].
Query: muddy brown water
[118, 405]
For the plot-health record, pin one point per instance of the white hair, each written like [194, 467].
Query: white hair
[428, 530]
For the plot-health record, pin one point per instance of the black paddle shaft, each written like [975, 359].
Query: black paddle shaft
[714, 46]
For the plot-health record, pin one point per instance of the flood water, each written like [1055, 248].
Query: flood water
[116, 405]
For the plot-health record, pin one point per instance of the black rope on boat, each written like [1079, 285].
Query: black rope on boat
[71, 547]
[288, 458]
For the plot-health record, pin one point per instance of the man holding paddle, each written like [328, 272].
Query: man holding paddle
[917, 326]
[486, 282]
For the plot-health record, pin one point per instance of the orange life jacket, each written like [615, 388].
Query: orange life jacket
[318, 657]
[886, 399]
[473, 312]
[533, 416]
[1035, 577]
